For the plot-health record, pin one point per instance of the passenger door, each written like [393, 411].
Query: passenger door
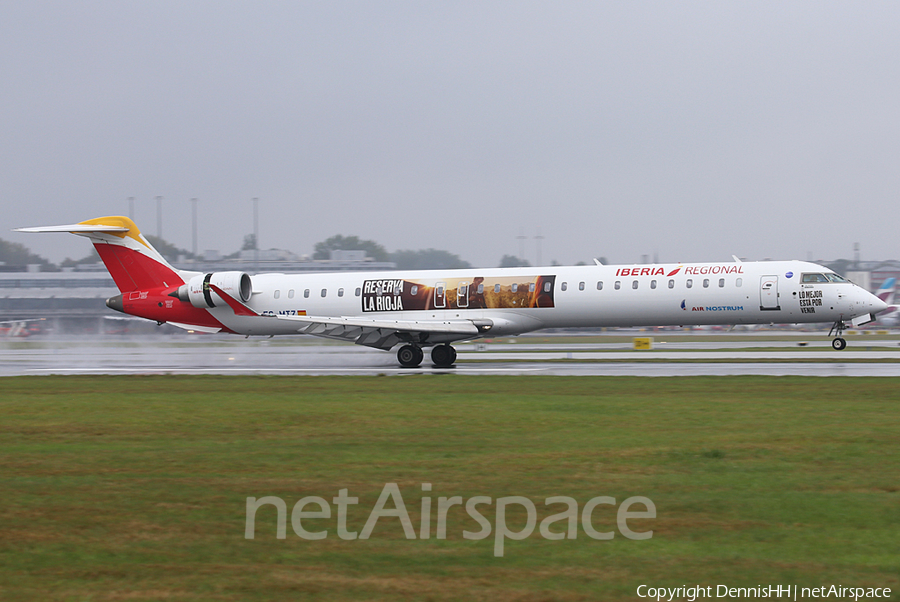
[768, 293]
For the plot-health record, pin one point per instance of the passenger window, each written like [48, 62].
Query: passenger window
[358, 292]
[634, 284]
[581, 286]
[531, 287]
[291, 294]
[599, 285]
[546, 287]
[306, 293]
[480, 289]
[340, 292]
[414, 290]
[706, 283]
[653, 284]
[739, 282]
[618, 284]
[277, 294]
[689, 283]
[565, 286]
[721, 283]
[324, 291]
[515, 287]
[496, 288]
[672, 283]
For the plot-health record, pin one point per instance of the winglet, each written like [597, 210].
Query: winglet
[239, 308]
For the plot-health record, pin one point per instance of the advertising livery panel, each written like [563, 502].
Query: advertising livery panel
[474, 293]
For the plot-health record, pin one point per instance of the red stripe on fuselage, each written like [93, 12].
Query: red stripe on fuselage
[159, 306]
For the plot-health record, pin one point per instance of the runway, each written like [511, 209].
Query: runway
[231, 355]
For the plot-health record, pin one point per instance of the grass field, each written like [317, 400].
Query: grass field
[135, 488]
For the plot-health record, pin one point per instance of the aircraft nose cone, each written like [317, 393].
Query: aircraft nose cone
[878, 305]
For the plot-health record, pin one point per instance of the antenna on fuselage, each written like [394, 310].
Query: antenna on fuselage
[736, 259]
[597, 261]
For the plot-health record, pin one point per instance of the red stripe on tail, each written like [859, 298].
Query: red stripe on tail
[134, 271]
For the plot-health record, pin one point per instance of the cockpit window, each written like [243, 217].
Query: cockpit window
[827, 277]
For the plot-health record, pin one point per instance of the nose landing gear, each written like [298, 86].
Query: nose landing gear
[838, 329]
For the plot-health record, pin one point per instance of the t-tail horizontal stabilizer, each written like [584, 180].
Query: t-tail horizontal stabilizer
[75, 228]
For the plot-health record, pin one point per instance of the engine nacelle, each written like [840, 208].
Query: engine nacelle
[198, 293]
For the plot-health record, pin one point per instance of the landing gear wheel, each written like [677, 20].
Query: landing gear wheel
[838, 330]
[443, 356]
[410, 356]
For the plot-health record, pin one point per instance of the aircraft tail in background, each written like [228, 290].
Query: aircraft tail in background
[887, 290]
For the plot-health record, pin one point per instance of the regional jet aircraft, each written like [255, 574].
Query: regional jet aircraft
[417, 310]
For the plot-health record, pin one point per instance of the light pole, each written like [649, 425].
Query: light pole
[538, 240]
[521, 238]
[194, 216]
[159, 217]
[256, 233]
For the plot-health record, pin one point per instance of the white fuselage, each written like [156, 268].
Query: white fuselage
[517, 300]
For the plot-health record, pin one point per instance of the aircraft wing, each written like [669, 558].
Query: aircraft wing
[382, 334]
[23, 321]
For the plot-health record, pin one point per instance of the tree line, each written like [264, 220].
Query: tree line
[16, 255]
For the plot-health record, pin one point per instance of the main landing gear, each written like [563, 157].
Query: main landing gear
[443, 356]
[410, 356]
[838, 329]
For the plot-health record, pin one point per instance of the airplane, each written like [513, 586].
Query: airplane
[17, 328]
[886, 293]
[416, 310]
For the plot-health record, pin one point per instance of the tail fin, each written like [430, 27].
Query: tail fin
[886, 292]
[132, 262]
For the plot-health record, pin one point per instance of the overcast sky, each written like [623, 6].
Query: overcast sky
[692, 131]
